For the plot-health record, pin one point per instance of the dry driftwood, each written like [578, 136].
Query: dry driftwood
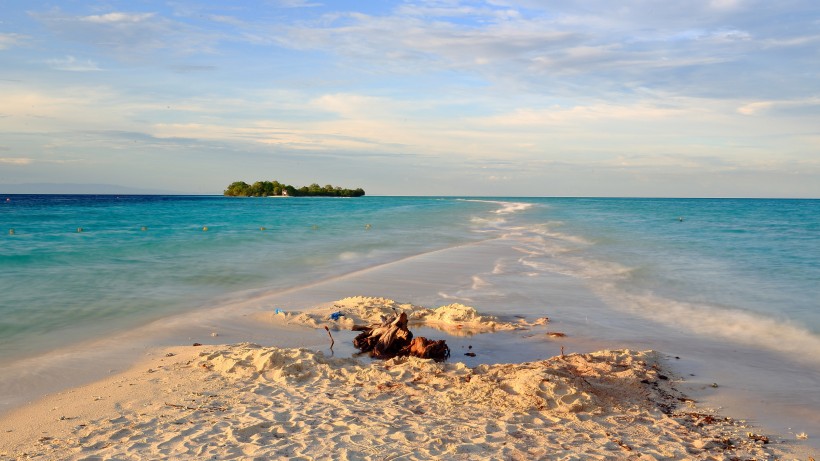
[428, 348]
[385, 340]
[392, 338]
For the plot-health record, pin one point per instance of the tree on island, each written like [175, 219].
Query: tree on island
[275, 188]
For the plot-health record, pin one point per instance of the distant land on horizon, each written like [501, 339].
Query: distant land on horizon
[90, 189]
[113, 189]
[277, 189]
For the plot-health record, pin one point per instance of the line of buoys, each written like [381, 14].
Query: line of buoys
[205, 228]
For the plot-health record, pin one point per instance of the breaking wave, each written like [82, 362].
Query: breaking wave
[543, 250]
[729, 324]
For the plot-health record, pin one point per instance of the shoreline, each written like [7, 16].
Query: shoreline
[439, 278]
[245, 400]
[82, 362]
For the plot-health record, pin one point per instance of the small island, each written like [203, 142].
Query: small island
[277, 189]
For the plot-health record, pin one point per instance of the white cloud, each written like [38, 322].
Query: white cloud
[419, 41]
[762, 107]
[360, 106]
[578, 115]
[296, 3]
[16, 160]
[724, 5]
[754, 108]
[72, 64]
[131, 36]
[796, 41]
[9, 40]
[33, 109]
[229, 20]
[118, 18]
[600, 48]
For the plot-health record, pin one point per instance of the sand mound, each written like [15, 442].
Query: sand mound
[363, 310]
[252, 402]
[608, 377]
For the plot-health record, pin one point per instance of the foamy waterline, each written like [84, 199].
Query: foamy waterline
[507, 207]
[545, 250]
[732, 325]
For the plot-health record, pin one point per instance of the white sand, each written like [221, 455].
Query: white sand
[246, 401]
[453, 318]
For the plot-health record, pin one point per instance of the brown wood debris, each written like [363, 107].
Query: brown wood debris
[392, 338]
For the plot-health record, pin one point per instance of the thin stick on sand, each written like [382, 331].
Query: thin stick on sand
[331, 337]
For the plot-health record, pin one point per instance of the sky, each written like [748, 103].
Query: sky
[696, 98]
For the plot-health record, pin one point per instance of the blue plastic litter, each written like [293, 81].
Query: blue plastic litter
[278, 311]
[336, 315]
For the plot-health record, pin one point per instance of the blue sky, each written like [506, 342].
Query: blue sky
[449, 97]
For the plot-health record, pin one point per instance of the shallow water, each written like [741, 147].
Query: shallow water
[140, 258]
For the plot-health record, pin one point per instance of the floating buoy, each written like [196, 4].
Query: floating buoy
[204, 228]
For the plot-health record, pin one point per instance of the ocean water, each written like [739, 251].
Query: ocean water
[742, 270]
[745, 270]
[60, 285]
[728, 285]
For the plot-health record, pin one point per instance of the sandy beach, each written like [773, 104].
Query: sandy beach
[248, 401]
[530, 377]
[410, 230]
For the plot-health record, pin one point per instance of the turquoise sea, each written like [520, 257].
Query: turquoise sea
[60, 284]
[731, 281]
